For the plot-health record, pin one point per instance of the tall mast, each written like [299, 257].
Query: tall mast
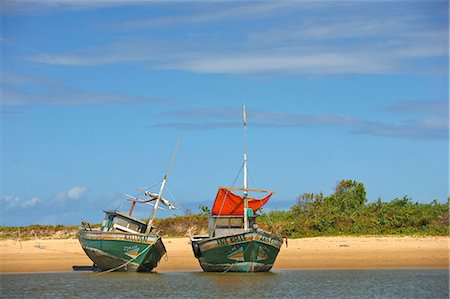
[245, 172]
[155, 207]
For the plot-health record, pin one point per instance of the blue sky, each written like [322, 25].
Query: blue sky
[95, 95]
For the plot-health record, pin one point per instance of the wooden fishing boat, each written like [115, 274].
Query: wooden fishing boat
[234, 241]
[124, 243]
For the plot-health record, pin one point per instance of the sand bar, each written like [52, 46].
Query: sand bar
[323, 253]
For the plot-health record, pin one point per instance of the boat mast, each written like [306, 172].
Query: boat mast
[245, 172]
[155, 207]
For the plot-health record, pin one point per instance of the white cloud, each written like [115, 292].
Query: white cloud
[199, 59]
[71, 194]
[8, 202]
[33, 7]
[292, 37]
[320, 63]
[76, 192]
[31, 203]
[53, 92]
[217, 12]
[425, 124]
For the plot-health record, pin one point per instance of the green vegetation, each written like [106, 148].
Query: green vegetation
[345, 212]
[38, 232]
[180, 226]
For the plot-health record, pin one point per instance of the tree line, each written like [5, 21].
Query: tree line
[347, 212]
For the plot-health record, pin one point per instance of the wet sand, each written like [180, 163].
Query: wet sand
[323, 253]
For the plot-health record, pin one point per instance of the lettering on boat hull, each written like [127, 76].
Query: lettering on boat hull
[109, 251]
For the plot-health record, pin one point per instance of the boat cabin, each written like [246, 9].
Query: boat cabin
[117, 221]
[226, 225]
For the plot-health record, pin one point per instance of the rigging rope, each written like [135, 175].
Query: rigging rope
[42, 247]
[123, 265]
[140, 193]
[176, 204]
[271, 223]
[226, 194]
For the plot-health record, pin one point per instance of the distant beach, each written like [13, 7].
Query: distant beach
[322, 253]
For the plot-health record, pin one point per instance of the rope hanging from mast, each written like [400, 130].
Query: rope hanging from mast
[155, 208]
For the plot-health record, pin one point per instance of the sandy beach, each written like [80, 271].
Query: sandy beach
[324, 253]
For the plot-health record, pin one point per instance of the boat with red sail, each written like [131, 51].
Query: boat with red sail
[234, 242]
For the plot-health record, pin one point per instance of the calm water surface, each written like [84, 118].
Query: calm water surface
[277, 284]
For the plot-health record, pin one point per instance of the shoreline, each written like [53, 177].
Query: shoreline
[319, 253]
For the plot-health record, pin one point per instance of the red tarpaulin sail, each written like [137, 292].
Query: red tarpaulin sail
[228, 203]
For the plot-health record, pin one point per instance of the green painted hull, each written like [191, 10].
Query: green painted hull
[124, 251]
[252, 251]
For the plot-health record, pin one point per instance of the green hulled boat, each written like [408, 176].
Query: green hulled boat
[234, 242]
[124, 243]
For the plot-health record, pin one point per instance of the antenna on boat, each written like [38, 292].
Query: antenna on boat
[245, 170]
[155, 207]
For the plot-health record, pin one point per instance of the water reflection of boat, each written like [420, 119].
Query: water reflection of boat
[124, 243]
[234, 242]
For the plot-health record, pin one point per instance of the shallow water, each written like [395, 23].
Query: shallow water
[276, 284]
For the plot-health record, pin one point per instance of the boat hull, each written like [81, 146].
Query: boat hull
[122, 251]
[252, 251]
